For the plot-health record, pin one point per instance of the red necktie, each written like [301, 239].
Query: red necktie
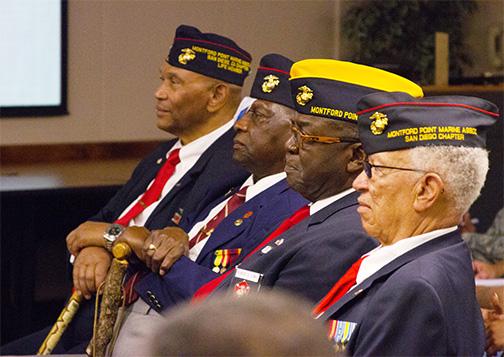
[233, 203]
[150, 196]
[340, 288]
[153, 193]
[296, 217]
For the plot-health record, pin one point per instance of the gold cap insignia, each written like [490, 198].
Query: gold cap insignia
[304, 96]
[186, 55]
[270, 83]
[379, 123]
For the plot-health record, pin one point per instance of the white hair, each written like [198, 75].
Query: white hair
[462, 169]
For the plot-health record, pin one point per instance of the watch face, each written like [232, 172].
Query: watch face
[115, 230]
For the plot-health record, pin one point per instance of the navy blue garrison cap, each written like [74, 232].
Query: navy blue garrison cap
[395, 121]
[272, 80]
[209, 54]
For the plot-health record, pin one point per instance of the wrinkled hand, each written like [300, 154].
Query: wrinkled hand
[171, 243]
[90, 269]
[135, 237]
[484, 270]
[88, 234]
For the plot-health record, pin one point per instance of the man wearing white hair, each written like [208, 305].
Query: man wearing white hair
[414, 294]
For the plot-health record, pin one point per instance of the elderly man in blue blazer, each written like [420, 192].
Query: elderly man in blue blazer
[414, 294]
[196, 102]
[227, 232]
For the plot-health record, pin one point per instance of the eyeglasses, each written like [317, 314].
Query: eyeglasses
[302, 138]
[369, 173]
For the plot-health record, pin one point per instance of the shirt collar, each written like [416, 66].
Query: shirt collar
[261, 185]
[382, 255]
[197, 147]
[323, 203]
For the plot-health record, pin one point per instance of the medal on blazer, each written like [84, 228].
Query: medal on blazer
[245, 281]
[239, 221]
[225, 258]
[340, 333]
[177, 216]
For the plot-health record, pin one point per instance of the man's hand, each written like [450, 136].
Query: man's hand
[495, 337]
[171, 243]
[135, 237]
[88, 234]
[90, 269]
[486, 271]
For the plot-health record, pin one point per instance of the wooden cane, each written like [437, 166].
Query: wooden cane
[61, 324]
[111, 301]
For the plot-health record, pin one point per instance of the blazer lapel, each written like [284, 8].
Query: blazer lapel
[187, 179]
[148, 175]
[433, 245]
[344, 202]
[228, 230]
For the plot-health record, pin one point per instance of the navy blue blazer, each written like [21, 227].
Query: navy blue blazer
[422, 303]
[304, 263]
[211, 177]
[256, 217]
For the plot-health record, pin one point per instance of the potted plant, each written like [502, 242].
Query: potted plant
[399, 34]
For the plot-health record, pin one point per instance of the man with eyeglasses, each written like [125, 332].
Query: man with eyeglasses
[414, 294]
[324, 157]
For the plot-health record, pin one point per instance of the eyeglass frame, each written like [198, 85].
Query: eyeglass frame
[368, 168]
[301, 137]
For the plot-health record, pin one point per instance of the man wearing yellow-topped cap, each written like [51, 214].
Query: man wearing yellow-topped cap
[319, 243]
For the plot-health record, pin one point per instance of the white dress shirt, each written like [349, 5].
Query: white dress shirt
[253, 190]
[382, 255]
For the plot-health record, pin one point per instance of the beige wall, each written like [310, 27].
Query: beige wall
[116, 48]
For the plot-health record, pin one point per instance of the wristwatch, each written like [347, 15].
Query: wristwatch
[111, 234]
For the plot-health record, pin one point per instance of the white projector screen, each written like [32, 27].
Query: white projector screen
[33, 57]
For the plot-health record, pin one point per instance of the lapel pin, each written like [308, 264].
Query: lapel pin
[238, 222]
[266, 249]
[358, 292]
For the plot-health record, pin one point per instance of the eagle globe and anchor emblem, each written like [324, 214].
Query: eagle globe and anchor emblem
[186, 55]
[270, 83]
[304, 96]
[379, 122]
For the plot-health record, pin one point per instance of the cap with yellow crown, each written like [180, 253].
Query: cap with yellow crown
[272, 80]
[209, 54]
[394, 121]
[331, 89]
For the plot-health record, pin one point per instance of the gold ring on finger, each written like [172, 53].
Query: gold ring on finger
[152, 247]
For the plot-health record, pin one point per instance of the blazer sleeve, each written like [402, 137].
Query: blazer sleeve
[179, 284]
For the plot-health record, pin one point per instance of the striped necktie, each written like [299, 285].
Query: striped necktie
[233, 203]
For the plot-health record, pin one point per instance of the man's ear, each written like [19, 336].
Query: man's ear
[219, 94]
[428, 190]
[355, 163]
